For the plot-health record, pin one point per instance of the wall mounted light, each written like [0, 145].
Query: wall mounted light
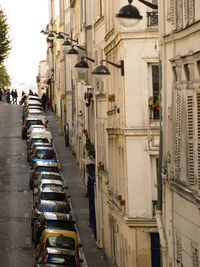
[82, 65]
[72, 51]
[103, 70]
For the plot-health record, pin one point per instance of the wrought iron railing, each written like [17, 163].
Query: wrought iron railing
[152, 18]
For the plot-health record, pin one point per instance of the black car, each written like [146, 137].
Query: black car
[52, 220]
[49, 206]
[57, 257]
[28, 123]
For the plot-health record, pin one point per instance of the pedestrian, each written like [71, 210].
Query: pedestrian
[15, 96]
[12, 95]
[30, 92]
[44, 101]
[48, 103]
[5, 94]
[1, 94]
[8, 96]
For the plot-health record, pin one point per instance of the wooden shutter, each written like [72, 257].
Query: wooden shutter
[179, 252]
[191, 11]
[195, 257]
[180, 14]
[177, 154]
[198, 137]
[190, 128]
[173, 14]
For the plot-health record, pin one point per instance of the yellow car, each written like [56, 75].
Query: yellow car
[57, 238]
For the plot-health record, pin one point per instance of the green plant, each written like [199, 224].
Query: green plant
[90, 148]
[100, 166]
[111, 97]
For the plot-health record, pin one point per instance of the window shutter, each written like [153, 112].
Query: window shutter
[195, 257]
[190, 128]
[179, 250]
[198, 137]
[177, 155]
[191, 11]
[173, 14]
[180, 14]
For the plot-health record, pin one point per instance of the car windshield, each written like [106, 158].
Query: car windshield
[34, 122]
[45, 154]
[53, 196]
[60, 259]
[51, 176]
[53, 207]
[46, 169]
[68, 225]
[60, 242]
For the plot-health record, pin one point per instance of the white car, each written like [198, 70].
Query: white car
[41, 132]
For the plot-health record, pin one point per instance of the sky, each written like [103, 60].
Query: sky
[26, 18]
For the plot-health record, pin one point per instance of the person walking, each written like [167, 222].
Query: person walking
[8, 96]
[15, 96]
[12, 94]
[1, 94]
[44, 101]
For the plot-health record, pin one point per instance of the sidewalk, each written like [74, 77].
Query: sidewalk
[94, 256]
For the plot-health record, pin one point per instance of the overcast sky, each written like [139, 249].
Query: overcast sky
[26, 18]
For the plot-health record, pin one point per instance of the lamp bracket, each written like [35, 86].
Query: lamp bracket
[87, 58]
[119, 66]
[149, 4]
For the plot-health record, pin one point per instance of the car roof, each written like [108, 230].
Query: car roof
[56, 202]
[52, 189]
[54, 216]
[44, 148]
[48, 181]
[59, 232]
[45, 163]
[52, 173]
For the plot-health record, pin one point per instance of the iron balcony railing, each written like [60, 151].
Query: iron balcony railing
[152, 18]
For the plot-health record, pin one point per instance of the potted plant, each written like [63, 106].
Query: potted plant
[100, 166]
[111, 97]
[90, 148]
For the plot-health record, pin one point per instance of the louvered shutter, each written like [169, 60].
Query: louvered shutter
[177, 154]
[180, 14]
[191, 11]
[198, 137]
[179, 251]
[190, 128]
[173, 13]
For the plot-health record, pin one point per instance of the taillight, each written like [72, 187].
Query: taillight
[42, 228]
[54, 154]
[42, 247]
[35, 154]
[25, 127]
[35, 174]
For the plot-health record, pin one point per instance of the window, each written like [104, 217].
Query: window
[154, 104]
[195, 257]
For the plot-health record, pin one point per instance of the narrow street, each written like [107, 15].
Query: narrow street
[16, 247]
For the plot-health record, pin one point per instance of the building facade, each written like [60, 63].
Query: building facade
[180, 55]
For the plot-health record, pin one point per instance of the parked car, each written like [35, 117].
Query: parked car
[49, 206]
[57, 238]
[49, 176]
[31, 147]
[56, 257]
[28, 122]
[43, 153]
[52, 220]
[41, 132]
[51, 193]
[41, 166]
[47, 183]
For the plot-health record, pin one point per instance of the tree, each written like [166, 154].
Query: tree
[4, 77]
[4, 39]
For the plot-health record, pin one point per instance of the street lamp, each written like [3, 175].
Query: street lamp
[103, 70]
[73, 52]
[82, 65]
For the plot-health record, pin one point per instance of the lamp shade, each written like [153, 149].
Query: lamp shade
[82, 66]
[101, 70]
[129, 11]
[72, 51]
[67, 43]
[50, 36]
[59, 36]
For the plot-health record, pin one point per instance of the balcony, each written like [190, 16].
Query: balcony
[152, 19]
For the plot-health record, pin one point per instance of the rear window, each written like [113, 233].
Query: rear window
[46, 169]
[53, 207]
[45, 154]
[60, 242]
[67, 225]
[60, 187]
[39, 140]
[51, 176]
[59, 259]
[53, 196]
[34, 122]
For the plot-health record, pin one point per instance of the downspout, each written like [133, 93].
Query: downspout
[163, 241]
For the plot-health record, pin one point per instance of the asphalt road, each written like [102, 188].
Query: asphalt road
[16, 247]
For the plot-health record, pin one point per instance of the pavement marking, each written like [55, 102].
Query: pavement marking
[28, 241]
[25, 192]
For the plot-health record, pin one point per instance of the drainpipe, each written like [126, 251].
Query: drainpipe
[163, 241]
